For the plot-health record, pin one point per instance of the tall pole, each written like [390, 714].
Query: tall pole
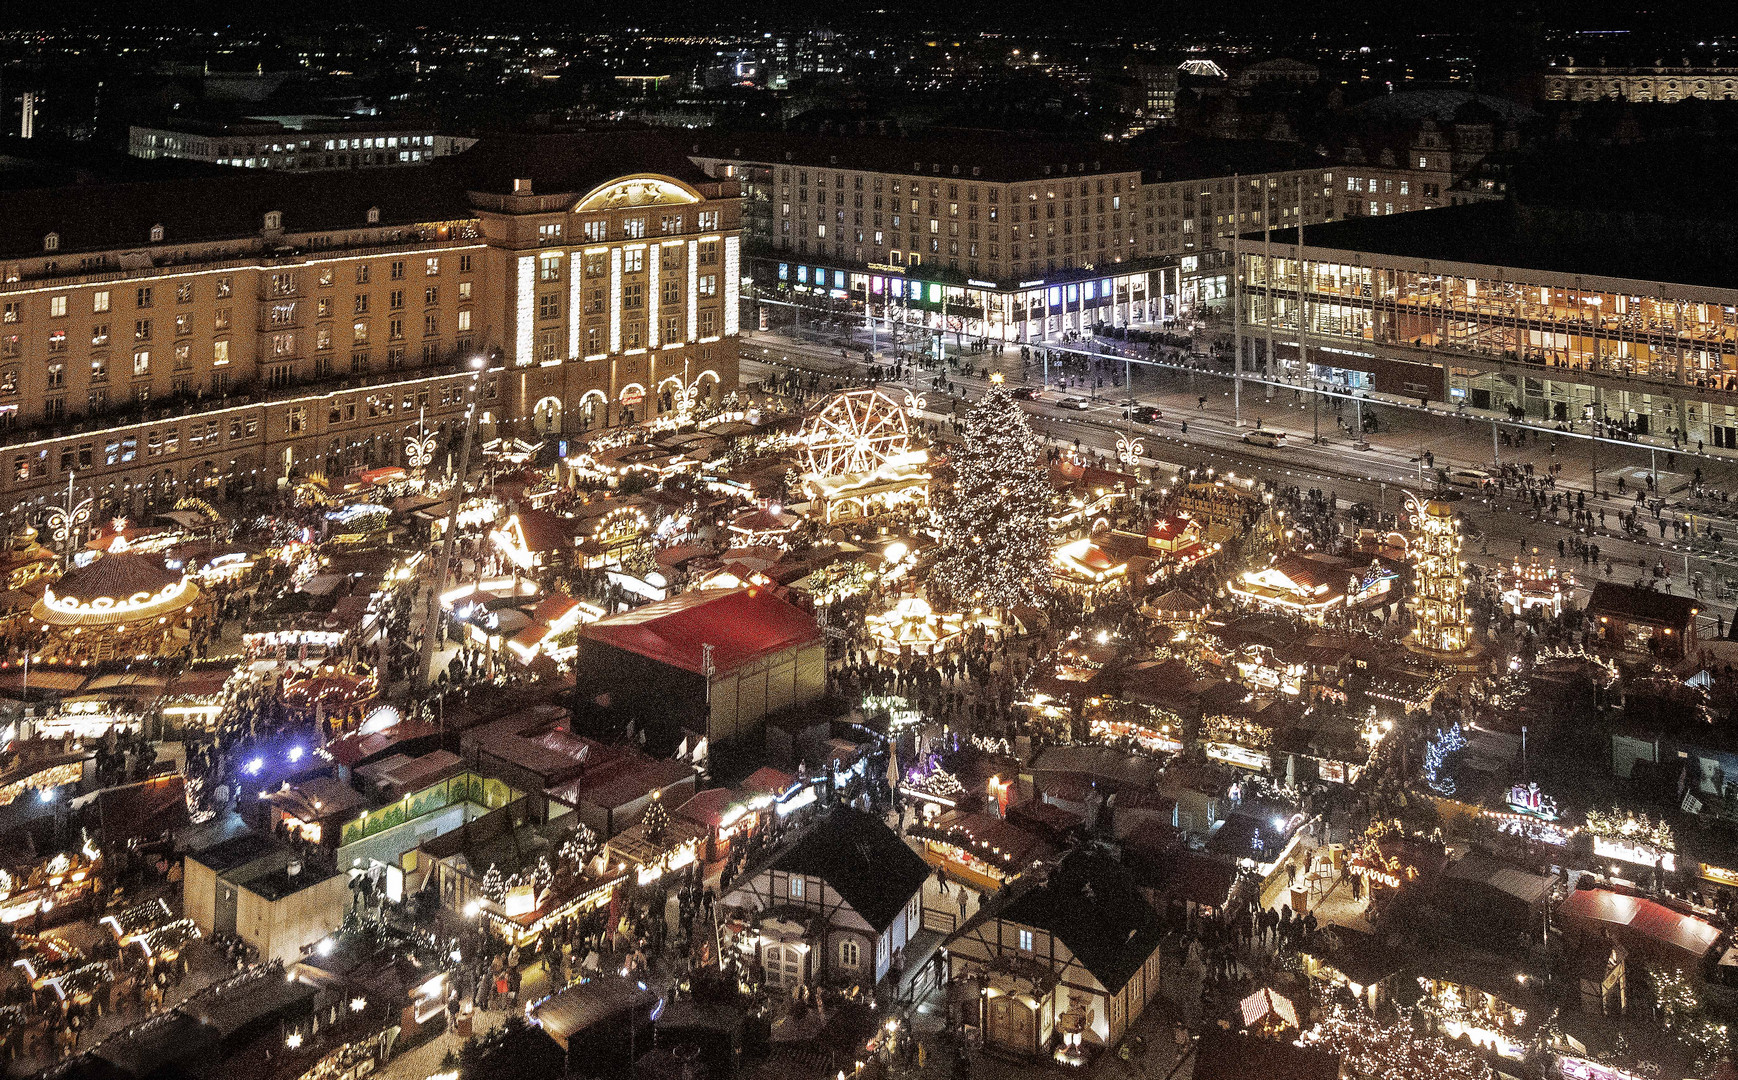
[1267, 290]
[431, 622]
[1303, 359]
[1236, 304]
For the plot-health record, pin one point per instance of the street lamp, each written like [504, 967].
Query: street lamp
[431, 621]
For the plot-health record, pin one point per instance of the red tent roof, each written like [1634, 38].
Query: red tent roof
[1651, 920]
[741, 625]
[769, 780]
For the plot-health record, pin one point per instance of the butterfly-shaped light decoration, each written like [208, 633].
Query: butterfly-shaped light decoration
[915, 402]
[61, 522]
[1129, 450]
[419, 450]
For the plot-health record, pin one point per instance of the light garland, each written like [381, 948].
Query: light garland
[1370, 1048]
[1435, 754]
[1632, 827]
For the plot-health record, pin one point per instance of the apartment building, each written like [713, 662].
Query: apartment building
[1005, 238]
[301, 142]
[231, 331]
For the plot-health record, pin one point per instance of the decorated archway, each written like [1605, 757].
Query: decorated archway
[593, 410]
[546, 417]
[669, 394]
[632, 400]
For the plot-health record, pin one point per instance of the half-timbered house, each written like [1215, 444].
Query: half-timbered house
[831, 907]
[1062, 965]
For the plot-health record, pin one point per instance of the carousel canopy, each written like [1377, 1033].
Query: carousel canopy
[119, 587]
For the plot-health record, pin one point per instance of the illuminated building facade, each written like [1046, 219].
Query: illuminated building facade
[1002, 238]
[1497, 306]
[224, 332]
[1573, 82]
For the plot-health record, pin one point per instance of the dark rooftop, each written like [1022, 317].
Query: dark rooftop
[864, 861]
[239, 851]
[224, 204]
[1648, 606]
[281, 883]
[1657, 212]
[1223, 1055]
[998, 158]
[1093, 905]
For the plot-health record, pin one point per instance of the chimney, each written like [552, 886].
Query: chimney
[522, 185]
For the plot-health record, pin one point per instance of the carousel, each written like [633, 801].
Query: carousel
[338, 694]
[122, 604]
[912, 628]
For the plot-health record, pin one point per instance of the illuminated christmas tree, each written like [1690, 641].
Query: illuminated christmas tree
[995, 542]
[494, 886]
[580, 848]
[656, 824]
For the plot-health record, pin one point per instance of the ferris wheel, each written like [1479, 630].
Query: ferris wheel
[856, 431]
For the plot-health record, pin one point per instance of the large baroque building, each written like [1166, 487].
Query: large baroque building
[1659, 83]
[230, 331]
[1010, 239]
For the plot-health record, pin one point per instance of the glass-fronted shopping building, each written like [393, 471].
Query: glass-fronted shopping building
[1380, 311]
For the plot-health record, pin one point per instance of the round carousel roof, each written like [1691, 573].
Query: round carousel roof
[118, 587]
[332, 689]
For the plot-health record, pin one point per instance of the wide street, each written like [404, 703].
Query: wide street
[1199, 425]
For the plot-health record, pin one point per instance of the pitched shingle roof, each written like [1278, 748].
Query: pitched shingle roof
[864, 861]
[1093, 906]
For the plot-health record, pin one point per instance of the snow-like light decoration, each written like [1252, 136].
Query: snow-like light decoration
[1436, 752]
[995, 528]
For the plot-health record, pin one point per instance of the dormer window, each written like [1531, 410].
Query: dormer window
[51, 242]
[374, 215]
[156, 234]
[274, 220]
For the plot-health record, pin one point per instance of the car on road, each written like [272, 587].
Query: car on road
[1468, 478]
[1026, 393]
[1078, 403]
[1263, 437]
[1145, 414]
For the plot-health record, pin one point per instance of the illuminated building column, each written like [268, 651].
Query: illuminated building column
[652, 296]
[732, 283]
[693, 290]
[573, 301]
[524, 311]
[615, 300]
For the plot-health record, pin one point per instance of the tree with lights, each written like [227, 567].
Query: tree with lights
[656, 824]
[995, 526]
[494, 886]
